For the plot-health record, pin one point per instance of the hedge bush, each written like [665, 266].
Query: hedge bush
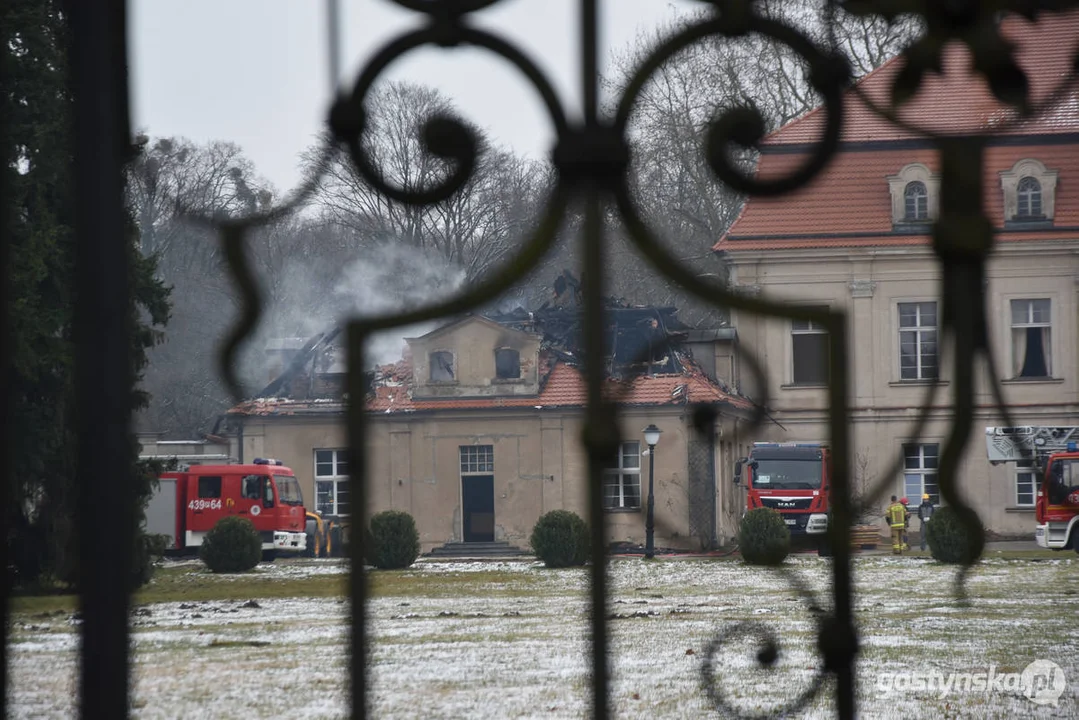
[392, 540]
[560, 538]
[232, 545]
[763, 537]
[955, 536]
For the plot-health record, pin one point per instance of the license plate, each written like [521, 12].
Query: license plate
[791, 522]
[1039, 532]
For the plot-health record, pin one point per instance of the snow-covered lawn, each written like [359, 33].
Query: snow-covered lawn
[509, 640]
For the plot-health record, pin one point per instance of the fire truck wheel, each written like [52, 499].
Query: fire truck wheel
[269, 555]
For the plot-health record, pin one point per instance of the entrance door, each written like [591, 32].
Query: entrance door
[478, 505]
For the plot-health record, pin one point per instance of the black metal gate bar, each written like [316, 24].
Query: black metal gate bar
[596, 441]
[839, 642]
[102, 333]
[7, 492]
[357, 487]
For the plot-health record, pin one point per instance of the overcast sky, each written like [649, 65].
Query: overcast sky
[255, 72]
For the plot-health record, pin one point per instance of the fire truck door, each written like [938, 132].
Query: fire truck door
[252, 491]
[205, 502]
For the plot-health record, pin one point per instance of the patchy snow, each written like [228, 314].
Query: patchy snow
[509, 639]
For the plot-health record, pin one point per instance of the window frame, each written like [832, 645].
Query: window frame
[921, 209]
[918, 331]
[923, 470]
[431, 367]
[619, 475]
[338, 475]
[508, 378]
[1046, 178]
[1028, 198]
[1030, 323]
[810, 328]
[476, 460]
[897, 187]
[1025, 467]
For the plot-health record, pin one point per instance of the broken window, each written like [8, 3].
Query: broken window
[809, 361]
[441, 366]
[1031, 349]
[507, 364]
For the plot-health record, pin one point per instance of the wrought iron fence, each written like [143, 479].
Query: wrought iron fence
[591, 157]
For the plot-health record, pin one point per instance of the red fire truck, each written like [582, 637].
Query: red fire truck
[1052, 453]
[188, 503]
[792, 479]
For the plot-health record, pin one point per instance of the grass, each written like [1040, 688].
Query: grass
[510, 639]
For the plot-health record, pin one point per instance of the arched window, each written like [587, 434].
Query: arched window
[1030, 198]
[916, 201]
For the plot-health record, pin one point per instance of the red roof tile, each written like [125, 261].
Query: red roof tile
[564, 388]
[959, 101]
[849, 204]
[852, 198]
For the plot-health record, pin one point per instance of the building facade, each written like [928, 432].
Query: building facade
[477, 432]
[857, 239]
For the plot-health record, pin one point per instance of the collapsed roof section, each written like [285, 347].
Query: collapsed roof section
[648, 364]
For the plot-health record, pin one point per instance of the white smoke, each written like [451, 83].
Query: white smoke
[392, 279]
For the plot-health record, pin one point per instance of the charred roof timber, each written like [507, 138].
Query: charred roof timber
[641, 340]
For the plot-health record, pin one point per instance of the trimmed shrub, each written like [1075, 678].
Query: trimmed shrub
[763, 537]
[392, 540]
[560, 538]
[955, 536]
[232, 545]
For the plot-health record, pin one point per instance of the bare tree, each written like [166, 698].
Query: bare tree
[212, 180]
[673, 184]
[473, 230]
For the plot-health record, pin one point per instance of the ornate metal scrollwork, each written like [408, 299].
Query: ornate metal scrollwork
[591, 158]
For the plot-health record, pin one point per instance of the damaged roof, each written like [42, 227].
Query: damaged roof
[562, 386]
[647, 364]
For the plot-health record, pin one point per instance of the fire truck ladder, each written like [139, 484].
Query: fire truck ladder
[1029, 442]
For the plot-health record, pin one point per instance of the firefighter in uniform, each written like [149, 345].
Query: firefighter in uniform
[906, 523]
[897, 519]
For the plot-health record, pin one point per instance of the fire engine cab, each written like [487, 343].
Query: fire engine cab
[1053, 452]
[188, 503]
[792, 479]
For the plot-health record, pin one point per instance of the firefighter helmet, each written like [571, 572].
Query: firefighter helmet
[925, 497]
[903, 500]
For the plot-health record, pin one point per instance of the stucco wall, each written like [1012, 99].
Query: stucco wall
[540, 465]
[868, 284]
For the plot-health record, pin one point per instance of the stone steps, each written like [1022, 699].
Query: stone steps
[477, 550]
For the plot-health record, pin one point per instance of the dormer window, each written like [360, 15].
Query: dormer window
[507, 364]
[442, 366]
[916, 202]
[1030, 198]
[1029, 193]
[915, 195]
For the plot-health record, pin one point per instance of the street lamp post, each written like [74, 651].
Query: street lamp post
[651, 438]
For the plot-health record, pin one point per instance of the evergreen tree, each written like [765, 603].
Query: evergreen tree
[37, 144]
